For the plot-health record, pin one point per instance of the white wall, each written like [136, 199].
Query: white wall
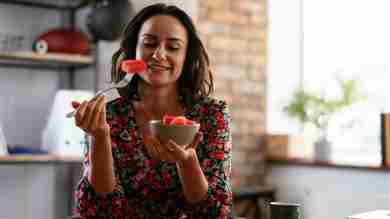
[328, 193]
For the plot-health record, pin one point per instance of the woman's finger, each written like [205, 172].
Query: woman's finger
[177, 150]
[150, 148]
[166, 152]
[198, 138]
[79, 117]
[75, 104]
[89, 114]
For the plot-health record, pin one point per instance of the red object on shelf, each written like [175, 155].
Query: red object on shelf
[62, 40]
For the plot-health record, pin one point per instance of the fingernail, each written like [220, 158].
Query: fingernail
[75, 104]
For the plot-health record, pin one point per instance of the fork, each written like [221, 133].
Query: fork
[122, 83]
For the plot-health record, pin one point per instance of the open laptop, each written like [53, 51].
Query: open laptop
[377, 214]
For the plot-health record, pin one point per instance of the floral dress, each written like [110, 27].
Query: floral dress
[149, 188]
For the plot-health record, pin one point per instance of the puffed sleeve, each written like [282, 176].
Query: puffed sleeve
[90, 204]
[214, 154]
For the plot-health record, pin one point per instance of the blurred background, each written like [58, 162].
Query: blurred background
[324, 148]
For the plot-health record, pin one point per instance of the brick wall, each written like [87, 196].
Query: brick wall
[235, 36]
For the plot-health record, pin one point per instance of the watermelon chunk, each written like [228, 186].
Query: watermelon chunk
[134, 66]
[179, 120]
[176, 120]
[167, 119]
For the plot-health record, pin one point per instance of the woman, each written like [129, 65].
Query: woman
[128, 173]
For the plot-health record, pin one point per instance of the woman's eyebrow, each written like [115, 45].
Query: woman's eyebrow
[156, 37]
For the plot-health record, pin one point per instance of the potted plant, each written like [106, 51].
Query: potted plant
[312, 108]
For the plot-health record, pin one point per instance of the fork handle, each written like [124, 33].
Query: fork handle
[73, 113]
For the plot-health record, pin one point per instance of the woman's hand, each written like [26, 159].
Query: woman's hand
[171, 152]
[91, 117]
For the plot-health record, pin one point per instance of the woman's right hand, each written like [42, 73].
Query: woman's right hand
[91, 117]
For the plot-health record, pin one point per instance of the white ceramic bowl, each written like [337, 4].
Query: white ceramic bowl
[181, 134]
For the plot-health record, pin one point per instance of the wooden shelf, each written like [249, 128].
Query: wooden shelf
[49, 60]
[56, 5]
[328, 164]
[37, 159]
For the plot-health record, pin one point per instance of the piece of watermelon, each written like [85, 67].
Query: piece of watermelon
[134, 66]
[167, 119]
[179, 120]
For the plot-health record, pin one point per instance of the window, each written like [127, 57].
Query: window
[312, 43]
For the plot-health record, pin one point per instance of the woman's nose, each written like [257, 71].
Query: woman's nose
[159, 53]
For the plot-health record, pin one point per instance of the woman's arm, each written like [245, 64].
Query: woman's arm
[101, 174]
[193, 180]
[98, 194]
[214, 155]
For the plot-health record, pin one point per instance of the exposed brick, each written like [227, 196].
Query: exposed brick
[203, 13]
[238, 156]
[230, 72]
[210, 27]
[215, 4]
[256, 73]
[218, 57]
[257, 46]
[222, 85]
[227, 44]
[247, 115]
[234, 32]
[248, 32]
[229, 17]
[248, 87]
[258, 19]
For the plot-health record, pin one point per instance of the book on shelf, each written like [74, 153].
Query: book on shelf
[385, 138]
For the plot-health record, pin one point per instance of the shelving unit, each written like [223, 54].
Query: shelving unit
[56, 175]
[49, 61]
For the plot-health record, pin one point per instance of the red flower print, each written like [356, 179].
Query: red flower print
[219, 155]
[167, 178]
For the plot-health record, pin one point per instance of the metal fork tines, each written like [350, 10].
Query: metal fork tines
[122, 83]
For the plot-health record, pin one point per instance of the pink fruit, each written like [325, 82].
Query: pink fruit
[134, 66]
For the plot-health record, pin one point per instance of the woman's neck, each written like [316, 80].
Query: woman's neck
[160, 101]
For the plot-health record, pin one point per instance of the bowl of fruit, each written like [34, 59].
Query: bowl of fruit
[177, 128]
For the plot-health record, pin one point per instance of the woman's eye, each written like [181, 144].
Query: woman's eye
[149, 45]
[175, 47]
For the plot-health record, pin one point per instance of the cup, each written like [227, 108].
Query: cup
[285, 210]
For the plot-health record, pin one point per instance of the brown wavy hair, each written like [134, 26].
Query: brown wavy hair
[196, 80]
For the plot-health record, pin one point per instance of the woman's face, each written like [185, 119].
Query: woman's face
[162, 44]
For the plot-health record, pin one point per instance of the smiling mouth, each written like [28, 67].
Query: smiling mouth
[158, 67]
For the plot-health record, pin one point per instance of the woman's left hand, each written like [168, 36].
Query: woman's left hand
[171, 152]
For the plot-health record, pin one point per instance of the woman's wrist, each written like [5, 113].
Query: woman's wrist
[101, 142]
[189, 162]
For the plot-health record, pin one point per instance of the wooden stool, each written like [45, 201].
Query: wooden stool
[254, 194]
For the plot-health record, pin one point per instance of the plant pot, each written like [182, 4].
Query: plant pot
[322, 149]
